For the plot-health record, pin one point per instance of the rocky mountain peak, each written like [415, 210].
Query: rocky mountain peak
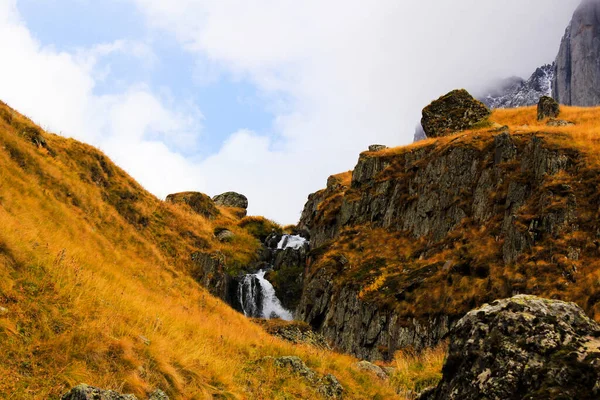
[577, 70]
[517, 92]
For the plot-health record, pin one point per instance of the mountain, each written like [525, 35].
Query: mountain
[577, 74]
[517, 92]
[99, 284]
[414, 237]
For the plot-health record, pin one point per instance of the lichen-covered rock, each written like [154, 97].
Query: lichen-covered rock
[547, 108]
[524, 347]
[85, 392]
[231, 199]
[199, 202]
[558, 122]
[377, 147]
[577, 69]
[372, 368]
[327, 385]
[454, 112]
[158, 395]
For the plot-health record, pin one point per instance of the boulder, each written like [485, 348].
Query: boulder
[547, 108]
[558, 123]
[524, 347]
[377, 147]
[327, 385]
[198, 202]
[577, 68]
[234, 200]
[85, 392]
[224, 235]
[454, 112]
[372, 368]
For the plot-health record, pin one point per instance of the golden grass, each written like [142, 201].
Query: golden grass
[94, 278]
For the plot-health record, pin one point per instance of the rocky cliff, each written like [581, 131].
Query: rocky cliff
[415, 237]
[577, 69]
[518, 92]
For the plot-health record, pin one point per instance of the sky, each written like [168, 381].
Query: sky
[263, 97]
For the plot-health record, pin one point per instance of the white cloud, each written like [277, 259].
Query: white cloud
[339, 74]
[139, 130]
[348, 73]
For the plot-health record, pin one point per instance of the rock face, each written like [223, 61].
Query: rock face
[517, 92]
[452, 113]
[431, 203]
[577, 71]
[547, 108]
[232, 199]
[524, 347]
[199, 202]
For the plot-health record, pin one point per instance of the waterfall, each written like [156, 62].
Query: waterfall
[258, 300]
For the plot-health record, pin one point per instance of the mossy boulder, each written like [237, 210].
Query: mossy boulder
[233, 200]
[454, 112]
[524, 347]
[547, 108]
[198, 202]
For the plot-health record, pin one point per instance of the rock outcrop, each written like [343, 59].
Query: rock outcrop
[199, 202]
[517, 92]
[233, 200]
[547, 108]
[524, 347]
[85, 392]
[327, 385]
[577, 71]
[464, 218]
[452, 113]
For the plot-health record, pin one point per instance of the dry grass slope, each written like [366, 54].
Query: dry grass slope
[95, 287]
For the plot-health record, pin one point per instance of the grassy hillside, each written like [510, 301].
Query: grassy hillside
[421, 276]
[95, 287]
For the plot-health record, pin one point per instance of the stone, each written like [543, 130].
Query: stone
[577, 69]
[231, 199]
[85, 392]
[330, 387]
[158, 395]
[452, 113]
[557, 123]
[547, 108]
[224, 235]
[372, 368]
[327, 385]
[524, 347]
[377, 147]
[198, 202]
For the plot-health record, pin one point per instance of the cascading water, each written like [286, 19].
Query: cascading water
[256, 295]
[258, 300]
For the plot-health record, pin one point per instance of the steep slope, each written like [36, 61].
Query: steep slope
[96, 286]
[417, 236]
[577, 73]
